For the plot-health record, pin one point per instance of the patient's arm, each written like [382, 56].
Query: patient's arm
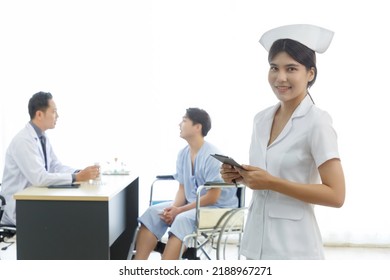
[209, 198]
[180, 198]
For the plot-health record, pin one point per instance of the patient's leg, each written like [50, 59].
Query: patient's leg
[172, 249]
[146, 242]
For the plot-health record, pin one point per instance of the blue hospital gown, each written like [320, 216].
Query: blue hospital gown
[206, 169]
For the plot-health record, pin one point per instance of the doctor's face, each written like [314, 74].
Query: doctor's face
[288, 78]
[49, 118]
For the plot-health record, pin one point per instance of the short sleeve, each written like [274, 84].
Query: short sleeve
[323, 140]
[179, 168]
[212, 169]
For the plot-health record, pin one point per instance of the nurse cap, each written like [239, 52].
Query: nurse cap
[314, 37]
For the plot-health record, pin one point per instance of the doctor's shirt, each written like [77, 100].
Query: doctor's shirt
[25, 166]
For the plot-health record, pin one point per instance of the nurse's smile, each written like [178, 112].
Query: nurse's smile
[282, 89]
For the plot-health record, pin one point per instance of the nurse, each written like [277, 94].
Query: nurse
[294, 158]
[30, 159]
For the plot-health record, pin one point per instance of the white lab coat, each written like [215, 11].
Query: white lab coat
[25, 166]
[279, 226]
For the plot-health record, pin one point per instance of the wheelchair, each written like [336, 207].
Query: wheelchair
[218, 231]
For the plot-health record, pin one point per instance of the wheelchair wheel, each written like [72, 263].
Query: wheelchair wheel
[229, 239]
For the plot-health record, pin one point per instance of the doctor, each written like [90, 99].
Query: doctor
[30, 159]
[294, 158]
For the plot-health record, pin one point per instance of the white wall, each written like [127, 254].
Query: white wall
[123, 72]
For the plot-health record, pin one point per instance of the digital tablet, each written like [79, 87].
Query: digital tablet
[66, 186]
[227, 160]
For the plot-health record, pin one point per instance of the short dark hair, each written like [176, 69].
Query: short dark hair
[39, 102]
[298, 52]
[199, 116]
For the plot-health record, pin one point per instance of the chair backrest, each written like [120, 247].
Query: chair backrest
[6, 231]
[159, 178]
[241, 197]
[2, 199]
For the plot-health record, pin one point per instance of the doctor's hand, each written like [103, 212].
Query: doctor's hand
[230, 174]
[254, 177]
[90, 172]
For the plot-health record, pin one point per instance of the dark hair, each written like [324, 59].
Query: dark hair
[199, 116]
[39, 102]
[298, 52]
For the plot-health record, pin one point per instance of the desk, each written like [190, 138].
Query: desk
[90, 222]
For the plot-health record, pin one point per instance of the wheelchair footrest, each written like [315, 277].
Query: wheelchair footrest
[189, 254]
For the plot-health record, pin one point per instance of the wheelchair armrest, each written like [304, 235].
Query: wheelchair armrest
[165, 177]
[218, 185]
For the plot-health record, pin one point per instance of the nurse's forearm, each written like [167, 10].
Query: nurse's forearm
[311, 193]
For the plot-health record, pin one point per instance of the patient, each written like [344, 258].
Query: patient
[194, 167]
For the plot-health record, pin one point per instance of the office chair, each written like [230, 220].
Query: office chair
[6, 231]
[214, 226]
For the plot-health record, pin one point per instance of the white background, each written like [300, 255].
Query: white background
[123, 72]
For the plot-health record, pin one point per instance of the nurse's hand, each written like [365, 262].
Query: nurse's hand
[255, 177]
[230, 174]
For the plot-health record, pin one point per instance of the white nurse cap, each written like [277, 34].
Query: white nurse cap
[314, 37]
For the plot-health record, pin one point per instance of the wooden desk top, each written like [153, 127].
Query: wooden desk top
[111, 185]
